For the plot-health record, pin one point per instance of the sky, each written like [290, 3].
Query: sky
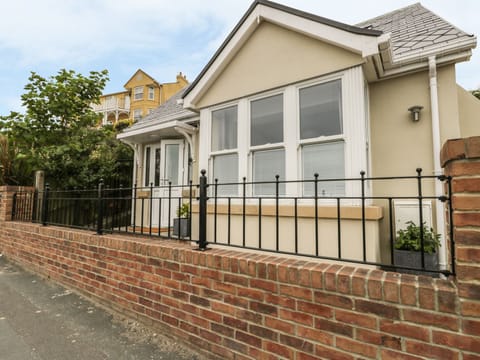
[162, 37]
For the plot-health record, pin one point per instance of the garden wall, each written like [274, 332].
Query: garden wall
[241, 305]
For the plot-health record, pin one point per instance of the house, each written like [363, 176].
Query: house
[292, 94]
[143, 94]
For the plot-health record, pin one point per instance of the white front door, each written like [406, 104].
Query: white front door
[164, 165]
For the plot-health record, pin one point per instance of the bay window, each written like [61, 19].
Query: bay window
[312, 127]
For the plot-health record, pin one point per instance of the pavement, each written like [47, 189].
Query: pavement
[40, 320]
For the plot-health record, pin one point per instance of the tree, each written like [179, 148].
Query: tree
[476, 93]
[59, 132]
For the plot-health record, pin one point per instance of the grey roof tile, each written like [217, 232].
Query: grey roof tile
[414, 29]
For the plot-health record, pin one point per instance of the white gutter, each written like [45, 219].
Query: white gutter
[437, 169]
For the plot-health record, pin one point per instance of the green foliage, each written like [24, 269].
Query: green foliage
[183, 211]
[409, 239]
[58, 132]
[476, 93]
[15, 168]
[121, 124]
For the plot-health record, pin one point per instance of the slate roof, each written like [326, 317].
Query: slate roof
[415, 29]
[170, 110]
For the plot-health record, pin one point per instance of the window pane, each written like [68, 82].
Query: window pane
[267, 164]
[225, 169]
[172, 163]
[138, 93]
[321, 110]
[137, 114]
[328, 161]
[224, 129]
[267, 120]
[147, 166]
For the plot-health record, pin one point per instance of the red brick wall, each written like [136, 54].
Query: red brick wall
[239, 305]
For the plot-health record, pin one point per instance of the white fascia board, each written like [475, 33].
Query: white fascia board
[364, 45]
[153, 128]
[444, 54]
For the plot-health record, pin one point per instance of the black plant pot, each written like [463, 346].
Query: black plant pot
[181, 227]
[413, 259]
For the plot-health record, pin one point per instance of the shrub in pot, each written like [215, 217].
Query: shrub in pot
[408, 245]
[181, 224]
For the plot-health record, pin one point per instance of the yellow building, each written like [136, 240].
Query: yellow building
[143, 94]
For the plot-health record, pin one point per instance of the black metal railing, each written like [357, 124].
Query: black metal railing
[292, 217]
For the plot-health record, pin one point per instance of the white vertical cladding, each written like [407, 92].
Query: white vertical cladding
[243, 138]
[205, 141]
[290, 126]
[355, 131]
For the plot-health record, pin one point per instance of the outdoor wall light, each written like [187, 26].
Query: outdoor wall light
[415, 112]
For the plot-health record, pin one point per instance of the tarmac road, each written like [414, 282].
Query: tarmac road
[40, 320]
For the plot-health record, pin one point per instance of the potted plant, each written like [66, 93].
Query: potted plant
[408, 245]
[181, 224]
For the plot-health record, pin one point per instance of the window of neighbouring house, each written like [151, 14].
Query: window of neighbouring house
[137, 114]
[266, 144]
[138, 93]
[321, 137]
[151, 93]
[224, 148]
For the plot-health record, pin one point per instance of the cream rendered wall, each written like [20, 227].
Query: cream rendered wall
[399, 145]
[469, 108]
[448, 104]
[272, 57]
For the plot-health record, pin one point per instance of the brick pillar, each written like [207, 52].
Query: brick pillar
[461, 160]
[6, 202]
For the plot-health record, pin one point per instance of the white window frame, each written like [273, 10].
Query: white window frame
[355, 137]
[270, 146]
[151, 93]
[135, 117]
[138, 90]
[319, 139]
[211, 153]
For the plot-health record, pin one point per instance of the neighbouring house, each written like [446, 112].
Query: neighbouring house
[291, 93]
[141, 96]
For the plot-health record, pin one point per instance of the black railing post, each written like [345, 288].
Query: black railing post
[215, 198]
[46, 192]
[244, 185]
[316, 213]
[277, 223]
[14, 206]
[150, 210]
[420, 209]
[450, 219]
[364, 232]
[100, 208]
[202, 213]
[134, 203]
[169, 212]
[34, 206]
